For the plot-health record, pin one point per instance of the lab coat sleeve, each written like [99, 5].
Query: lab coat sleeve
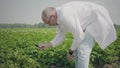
[75, 43]
[77, 32]
[78, 36]
[59, 38]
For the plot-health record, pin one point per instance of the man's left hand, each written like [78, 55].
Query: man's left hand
[70, 55]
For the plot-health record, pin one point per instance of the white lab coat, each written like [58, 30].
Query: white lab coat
[77, 16]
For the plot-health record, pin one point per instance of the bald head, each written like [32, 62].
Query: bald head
[47, 12]
[49, 16]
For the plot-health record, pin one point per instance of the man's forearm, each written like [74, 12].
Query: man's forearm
[49, 44]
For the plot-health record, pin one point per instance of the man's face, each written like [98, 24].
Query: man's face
[51, 20]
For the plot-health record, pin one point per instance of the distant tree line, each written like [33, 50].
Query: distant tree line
[117, 26]
[16, 26]
[42, 25]
[39, 25]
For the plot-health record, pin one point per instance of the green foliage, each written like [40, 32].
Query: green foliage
[16, 26]
[39, 25]
[108, 56]
[17, 49]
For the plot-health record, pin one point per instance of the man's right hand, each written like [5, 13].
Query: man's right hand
[44, 46]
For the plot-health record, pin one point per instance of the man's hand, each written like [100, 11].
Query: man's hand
[44, 46]
[70, 55]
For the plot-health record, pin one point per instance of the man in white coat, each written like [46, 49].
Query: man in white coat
[88, 22]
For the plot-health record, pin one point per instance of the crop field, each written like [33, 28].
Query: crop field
[17, 50]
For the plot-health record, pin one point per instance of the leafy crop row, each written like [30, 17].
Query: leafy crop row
[17, 49]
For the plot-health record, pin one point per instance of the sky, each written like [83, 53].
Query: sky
[29, 11]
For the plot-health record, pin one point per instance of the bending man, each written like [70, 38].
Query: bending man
[88, 22]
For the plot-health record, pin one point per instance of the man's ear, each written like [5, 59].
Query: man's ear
[53, 15]
[44, 19]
